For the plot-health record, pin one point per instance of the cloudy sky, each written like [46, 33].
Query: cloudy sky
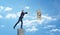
[48, 25]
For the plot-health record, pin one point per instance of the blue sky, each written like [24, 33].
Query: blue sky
[49, 24]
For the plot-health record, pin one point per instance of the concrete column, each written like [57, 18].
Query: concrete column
[20, 31]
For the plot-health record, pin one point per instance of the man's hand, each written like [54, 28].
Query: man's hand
[26, 13]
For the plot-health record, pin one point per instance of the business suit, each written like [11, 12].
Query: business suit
[20, 19]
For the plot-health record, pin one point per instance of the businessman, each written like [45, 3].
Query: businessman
[20, 19]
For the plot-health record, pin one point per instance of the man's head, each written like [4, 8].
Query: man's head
[22, 10]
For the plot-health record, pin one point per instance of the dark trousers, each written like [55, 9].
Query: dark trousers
[18, 22]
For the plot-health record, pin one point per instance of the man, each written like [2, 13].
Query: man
[20, 19]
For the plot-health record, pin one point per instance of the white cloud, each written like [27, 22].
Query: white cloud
[33, 29]
[18, 14]
[55, 30]
[27, 7]
[48, 17]
[1, 16]
[44, 18]
[35, 22]
[29, 23]
[11, 16]
[1, 7]
[50, 26]
[8, 9]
